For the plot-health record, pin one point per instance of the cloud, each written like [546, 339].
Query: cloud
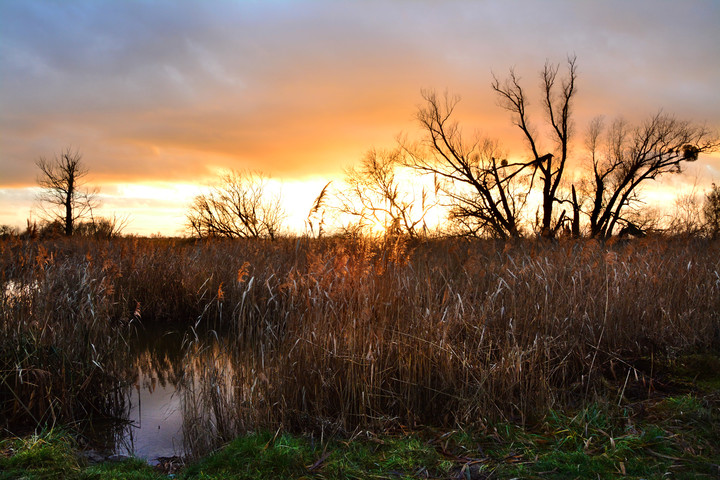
[170, 91]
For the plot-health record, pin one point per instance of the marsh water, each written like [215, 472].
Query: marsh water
[153, 409]
[154, 414]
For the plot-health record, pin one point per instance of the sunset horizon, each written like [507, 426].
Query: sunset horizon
[160, 97]
[334, 239]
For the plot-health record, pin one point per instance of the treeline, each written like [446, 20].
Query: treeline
[447, 183]
[443, 182]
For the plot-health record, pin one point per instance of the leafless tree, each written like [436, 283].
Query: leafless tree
[103, 227]
[482, 190]
[239, 207]
[376, 196]
[557, 102]
[624, 157]
[686, 217]
[64, 198]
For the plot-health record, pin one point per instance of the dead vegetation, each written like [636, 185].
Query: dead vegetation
[331, 335]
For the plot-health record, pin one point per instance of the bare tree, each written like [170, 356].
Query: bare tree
[239, 207]
[624, 157]
[481, 188]
[686, 217]
[103, 227]
[376, 196]
[64, 198]
[557, 103]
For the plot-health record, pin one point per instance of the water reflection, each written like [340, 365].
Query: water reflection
[184, 394]
[154, 427]
[152, 423]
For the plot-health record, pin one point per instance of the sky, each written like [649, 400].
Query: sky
[161, 96]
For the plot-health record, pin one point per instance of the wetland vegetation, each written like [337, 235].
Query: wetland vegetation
[351, 358]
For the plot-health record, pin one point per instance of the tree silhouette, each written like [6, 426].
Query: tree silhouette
[239, 207]
[625, 157]
[557, 102]
[482, 191]
[64, 198]
[375, 196]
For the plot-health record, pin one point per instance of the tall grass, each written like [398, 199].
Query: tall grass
[59, 337]
[454, 332]
[332, 334]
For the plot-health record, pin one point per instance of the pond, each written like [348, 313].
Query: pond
[154, 412]
[166, 370]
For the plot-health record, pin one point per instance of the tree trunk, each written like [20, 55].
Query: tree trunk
[68, 208]
[576, 215]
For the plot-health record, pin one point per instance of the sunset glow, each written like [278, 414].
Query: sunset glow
[161, 96]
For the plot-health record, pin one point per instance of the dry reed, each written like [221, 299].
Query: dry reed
[335, 334]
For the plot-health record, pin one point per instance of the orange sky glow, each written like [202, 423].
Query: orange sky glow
[161, 96]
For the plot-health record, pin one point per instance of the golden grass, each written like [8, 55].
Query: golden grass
[334, 334]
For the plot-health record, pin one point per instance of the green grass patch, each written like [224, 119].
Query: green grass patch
[702, 370]
[679, 439]
[260, 455]
[131, 469]
[265, 456]
[675, 437]
[406, 457]
[44, 455]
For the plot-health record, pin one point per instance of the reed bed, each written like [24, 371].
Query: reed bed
[334, 334]
[455, 333]
[60, 342]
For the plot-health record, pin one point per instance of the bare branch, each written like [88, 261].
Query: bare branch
[374, 196]
[480, 188]
[557, 102]
[623, 158]
[64, 198]
[239, 207]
